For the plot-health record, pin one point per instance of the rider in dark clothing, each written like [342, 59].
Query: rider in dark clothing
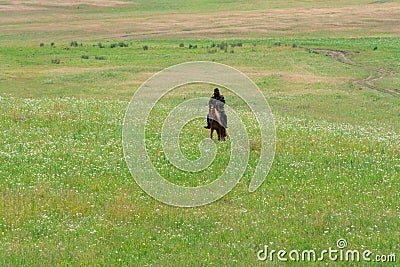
[217, 101]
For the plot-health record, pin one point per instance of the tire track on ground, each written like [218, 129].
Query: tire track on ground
[368, 82]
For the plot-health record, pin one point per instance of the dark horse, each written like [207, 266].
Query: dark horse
[215, 124]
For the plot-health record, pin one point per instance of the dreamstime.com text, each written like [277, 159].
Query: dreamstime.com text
[339, 253]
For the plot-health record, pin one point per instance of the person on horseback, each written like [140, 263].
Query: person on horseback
[217, 101]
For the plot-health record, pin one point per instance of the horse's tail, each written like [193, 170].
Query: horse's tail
[217, 116]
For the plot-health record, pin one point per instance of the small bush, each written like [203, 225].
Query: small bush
[145, 48]
[375, 48]
[85, 56]
[100, 58]
[41, 44]
[238, 44]
[100, 45]
[52, 44]
[294, 45]
[55, 61]
[122, 44]
[181, 45]
[222, 46]
[74, 44]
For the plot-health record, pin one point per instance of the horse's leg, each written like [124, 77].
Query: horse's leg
[219, 132]
[223, 133]
[211, 130]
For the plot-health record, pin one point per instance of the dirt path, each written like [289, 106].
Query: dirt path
[368, 82]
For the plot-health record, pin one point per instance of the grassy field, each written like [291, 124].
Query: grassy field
[329, 71]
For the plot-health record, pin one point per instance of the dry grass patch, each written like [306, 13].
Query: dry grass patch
[62, 71]
[295, 77]
[310, 78]
[21, 5]
[377, 18]
[350, 21]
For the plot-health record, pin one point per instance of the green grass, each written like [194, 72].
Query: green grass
[286, 75]
[66, 188]
[66, 194]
